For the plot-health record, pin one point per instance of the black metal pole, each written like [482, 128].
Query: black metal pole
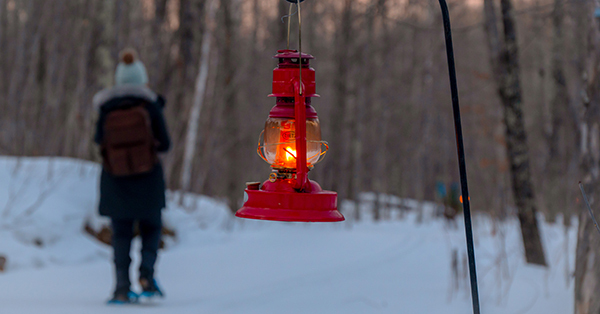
[461, 157]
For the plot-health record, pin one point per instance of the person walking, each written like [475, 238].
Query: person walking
[131, 130]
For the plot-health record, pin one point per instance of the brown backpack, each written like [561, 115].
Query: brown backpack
[128, 147]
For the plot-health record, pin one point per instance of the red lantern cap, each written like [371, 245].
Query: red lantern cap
[287, 72]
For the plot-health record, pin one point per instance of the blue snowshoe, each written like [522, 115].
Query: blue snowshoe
[150, 289]
[122, 298]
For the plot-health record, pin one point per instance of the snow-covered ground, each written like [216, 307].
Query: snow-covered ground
[221, 264]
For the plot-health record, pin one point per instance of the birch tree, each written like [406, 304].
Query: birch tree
[200, 90]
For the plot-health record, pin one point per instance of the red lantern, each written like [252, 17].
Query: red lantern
[292, 145]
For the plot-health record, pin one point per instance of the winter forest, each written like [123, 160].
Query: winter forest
[529, 85]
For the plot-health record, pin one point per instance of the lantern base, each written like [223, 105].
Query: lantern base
[316, 206]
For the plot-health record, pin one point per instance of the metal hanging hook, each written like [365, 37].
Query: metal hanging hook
[289, 26]
[290, 14]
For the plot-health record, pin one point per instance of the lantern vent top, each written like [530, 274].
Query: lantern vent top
[289, 58]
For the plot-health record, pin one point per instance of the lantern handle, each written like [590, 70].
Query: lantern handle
[321, 154]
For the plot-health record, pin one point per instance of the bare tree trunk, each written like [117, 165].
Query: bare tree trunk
[105, 56]
[556, 165]
[494, 47]
[587, 262]
[349, 128]
[364, 145]
[158, 54]
[122, 26]
[185, 68]
[233, 188]
[492, 35]
[87, 148]
[507, 70]
[72, 137]
[338, 150]
[561, 93]
[381, 115]
[28, 42]
[3, 54]
[194, 118]
[516, 138]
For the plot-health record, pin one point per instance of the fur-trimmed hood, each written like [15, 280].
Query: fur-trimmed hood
[126, 90]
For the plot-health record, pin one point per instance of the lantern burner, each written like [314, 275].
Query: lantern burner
[282, 174]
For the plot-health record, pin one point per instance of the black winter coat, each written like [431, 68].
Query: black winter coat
[140, 196]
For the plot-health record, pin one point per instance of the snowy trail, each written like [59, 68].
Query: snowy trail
[267, 272]
[397, 266]
[394, 267]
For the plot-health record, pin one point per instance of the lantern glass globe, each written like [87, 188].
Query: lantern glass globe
[280, 142]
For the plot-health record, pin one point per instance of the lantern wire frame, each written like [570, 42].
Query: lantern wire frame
[261, 147]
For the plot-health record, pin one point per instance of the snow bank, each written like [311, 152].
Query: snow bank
[45, 203]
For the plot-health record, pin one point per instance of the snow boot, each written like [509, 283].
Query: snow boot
[150, 288]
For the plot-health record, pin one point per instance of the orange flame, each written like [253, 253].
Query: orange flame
[290, 154]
